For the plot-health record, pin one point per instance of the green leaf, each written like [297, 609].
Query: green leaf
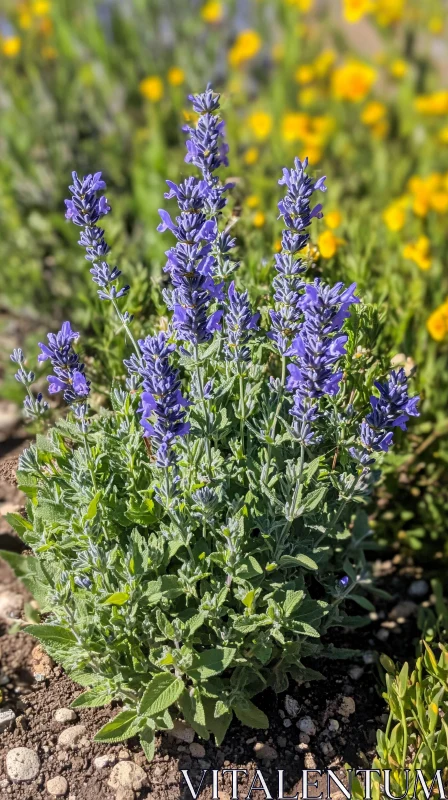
[94, 698]
[123, 726]
[217, 725]
[51, 634]
[31, 572]
[19, 523]
[312, 500]
[211, 662]
[161, 692]
[298, 561]
[250, 715]
[93, 505]
[147, 742]
[116, 599]
[362, 601]
[292, 601]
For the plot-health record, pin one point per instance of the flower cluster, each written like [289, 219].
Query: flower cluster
[239, 323]
[390, 410]
[69, 376]
[85, 209]
[161, 399]
[192, 263]
[34, 406]
[317, 349]
[297, 214]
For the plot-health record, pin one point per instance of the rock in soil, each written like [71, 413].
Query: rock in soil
[108, 760]
[292, 706]
[64, 715]
[347, 707]
[57, 786]
[418, 589]
[197, 750]
[11, 604]
[127, 775]
[22, 764]
[182, 731]
[41, 662]
[306, 725]
[71, 737]
[265, 751]
[6, 719]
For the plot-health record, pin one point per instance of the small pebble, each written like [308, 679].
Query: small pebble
[347, 707]
[58, 786]
[368, 657]
[71, 737]
[281, 741]
[418, 589]
[333, 725]
[64, 715]
[124, 755]
[356, 673]
[22, 764]
[304, 738]
[197, 750]
[287, 723]
[107, 760]
[306, 725]
[292, 706]
[301, 747]
[7, 718]
[382, 635]
[310, 761]
[127, 775]
[265, 751]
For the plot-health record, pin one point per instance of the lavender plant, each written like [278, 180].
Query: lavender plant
[195, 541]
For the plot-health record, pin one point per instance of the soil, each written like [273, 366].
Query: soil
[34, 688]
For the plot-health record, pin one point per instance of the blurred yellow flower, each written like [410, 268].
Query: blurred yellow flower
[432, 104]
[307, 97]
[277, 246]
[252, 201]
[324, 62]
[258, 219]
[388, 11]
[152, 88]
[246, 47]
[395, 216]
[295, 126]
[437, 323]
[333, 219]
[176, 76]
[251, 156]
[212, 12]
[435, 25]
[25, 19]
[323, 124]
[422, 190]
[328, 244]
[354, 10]
[310, 252]
[302, 5]
[189, 115]
[443, 135]
[373, 112]
[398, 68]
[49, 53]
[312, 152]
[40, 8]
[260, 124]
[305, 73]
[11, 46]
[439, 202]
[419, 252]
[352, 81]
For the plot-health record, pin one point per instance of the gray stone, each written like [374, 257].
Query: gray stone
[418, 589]
[306, 725]
[57, 786]
[124, 794]
[182, 731]
[127, 775]
[22, 764]
[356, 673]
[107, 760]
[197, 750]
[292, 706]
[71, 737]
[333, 725]
[124, 755]
[402, 611]
[64, 715]
[347, 707]
[265, 751]
[7, 718]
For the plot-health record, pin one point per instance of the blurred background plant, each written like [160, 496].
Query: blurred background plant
[357, 85]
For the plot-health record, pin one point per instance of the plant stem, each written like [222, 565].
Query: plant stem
[204, 406]
[292, 506]
[126, 327]
[265, 473]
[242, 412]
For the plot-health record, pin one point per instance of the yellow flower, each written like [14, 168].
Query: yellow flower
[312, 152]
[25, 19]
[354, 10]
[40, 8]
[246, 47]
[373, 112]
[189, 116]
[176, 76]
[295, 126]
[439, 202]
[307, 97]
[259, 219]
[152, 88]
[324, 62]
[260, 123]
[388, 11]
[353, 81]
[277, 246]
[434, 104]
[11, 46]
[435, 25]
[328, 244]
[380, 130]
[333, 219]
[251, 156]
[443, 135]
[422, 190]
[302, 5]
[252, 201]
[437, 323]
[310, 252]
[419, 252]
[305, 73]
[398, 68]
[49, 53]
[395, 216]
[212, 12]
[323, 124]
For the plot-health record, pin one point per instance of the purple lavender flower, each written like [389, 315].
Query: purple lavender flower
[239, 323]
[85, 209]
[390, 410]
[68, 375]
[34, 406]
[192, 262]
[317, 349]
[297, 215]
[162, 406]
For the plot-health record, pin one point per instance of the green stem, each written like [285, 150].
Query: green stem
[204, 406]
[265, 472]
[242, 412]
[127, 328]
[292, 506]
